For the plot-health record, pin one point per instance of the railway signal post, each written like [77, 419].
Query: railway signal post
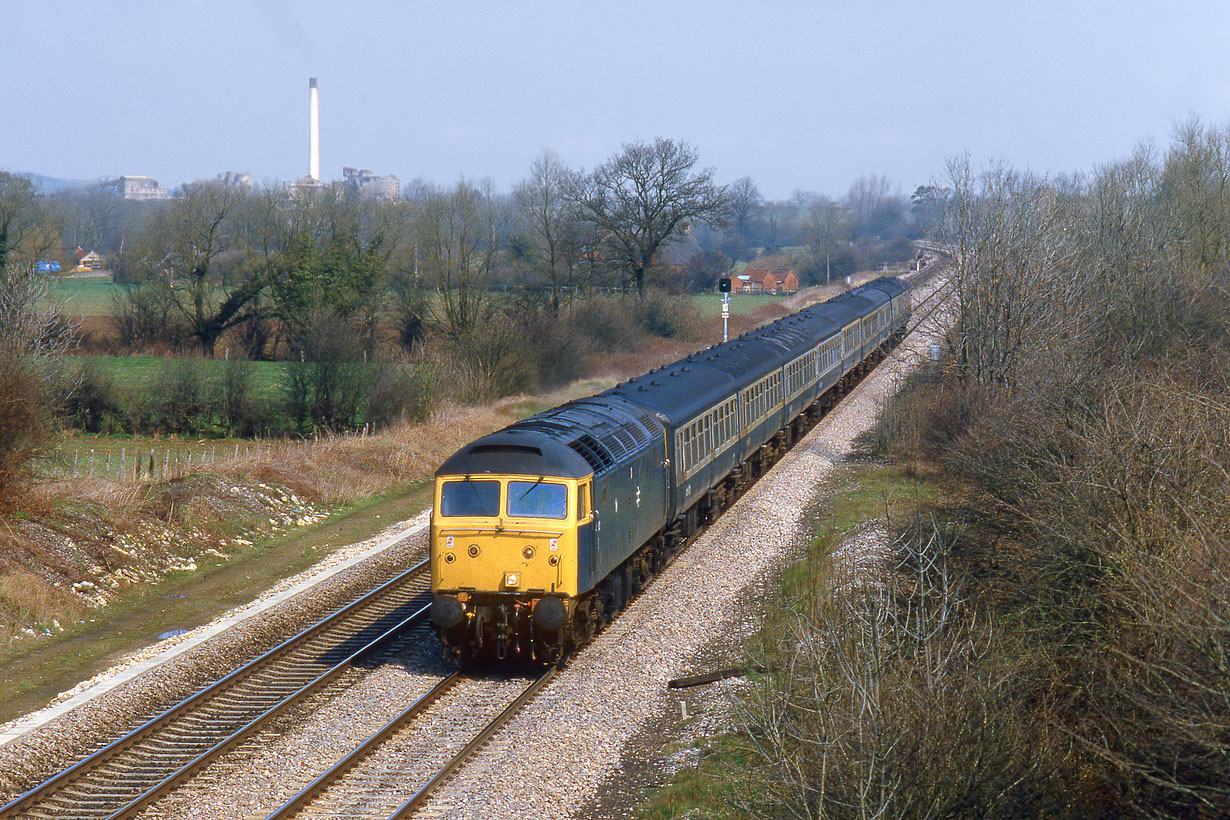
[724, 287]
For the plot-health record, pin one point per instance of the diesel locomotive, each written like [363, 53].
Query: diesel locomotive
[542, 531]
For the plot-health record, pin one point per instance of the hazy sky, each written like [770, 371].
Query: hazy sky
[806, 95]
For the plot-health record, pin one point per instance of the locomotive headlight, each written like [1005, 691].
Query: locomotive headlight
[512, 580]
[528, 552]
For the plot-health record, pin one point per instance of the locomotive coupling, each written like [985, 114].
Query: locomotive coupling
[446, 611]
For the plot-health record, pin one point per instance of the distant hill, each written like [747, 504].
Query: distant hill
[49, 185]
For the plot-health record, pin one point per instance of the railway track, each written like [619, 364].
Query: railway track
[390, 775]
[130, 773]
[376, 778]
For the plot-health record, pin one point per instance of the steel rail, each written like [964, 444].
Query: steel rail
[324, 781]
[418, 798]
[254, 725]
[132, 741]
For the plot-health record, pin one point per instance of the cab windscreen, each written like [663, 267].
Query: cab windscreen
[537, 499]
[470, 498]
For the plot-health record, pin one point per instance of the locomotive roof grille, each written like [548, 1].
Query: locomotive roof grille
[593, 452]
[542, 426]
[624, 438]
[638, 434]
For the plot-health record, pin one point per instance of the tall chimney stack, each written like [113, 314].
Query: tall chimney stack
[313, 130]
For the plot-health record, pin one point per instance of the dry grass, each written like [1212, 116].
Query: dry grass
[344, 468]
[30, 602]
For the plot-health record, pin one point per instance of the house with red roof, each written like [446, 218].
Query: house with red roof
[770, 274]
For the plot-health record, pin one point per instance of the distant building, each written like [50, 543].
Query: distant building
[83, 260]
[304, 186]
[769, 274]
[368, 185]
[231, 179]
[226, 179]
[139, 188]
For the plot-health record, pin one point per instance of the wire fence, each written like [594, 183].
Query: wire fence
[161, 461]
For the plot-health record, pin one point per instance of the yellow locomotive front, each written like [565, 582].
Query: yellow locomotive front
[505, 547]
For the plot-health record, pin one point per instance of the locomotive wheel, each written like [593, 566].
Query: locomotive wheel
[582, 627]
[612, 596]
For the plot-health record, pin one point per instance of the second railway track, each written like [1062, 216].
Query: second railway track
[133, 771]
[393, 772]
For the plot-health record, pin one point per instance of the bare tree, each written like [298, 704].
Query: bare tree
[25, 234]
[549, 220]
[641, 196]
[32, 335]
[826, 226]
[190, 246]
[1195, 188]
[745, 206]
[1015, 273]
[457, 238]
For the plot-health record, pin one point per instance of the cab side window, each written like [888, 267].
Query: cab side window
[582, 502]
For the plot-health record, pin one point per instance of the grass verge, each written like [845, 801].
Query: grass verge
[861, 493]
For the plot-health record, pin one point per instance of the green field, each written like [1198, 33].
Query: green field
[710, 304]
[135, 374]
[85, 297]
[95, 297]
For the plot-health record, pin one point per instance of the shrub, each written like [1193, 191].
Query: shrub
[671, 317]
[400, 393]
[605, 323]
[145, 315]
[30, 337]
[178, 400]
[24, 418]
[895, 697]
[558, 354]
[326, 378]
[89, 400]
[240, 410]
[497, 358]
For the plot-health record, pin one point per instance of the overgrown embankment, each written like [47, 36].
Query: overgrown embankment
[1049, 639]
